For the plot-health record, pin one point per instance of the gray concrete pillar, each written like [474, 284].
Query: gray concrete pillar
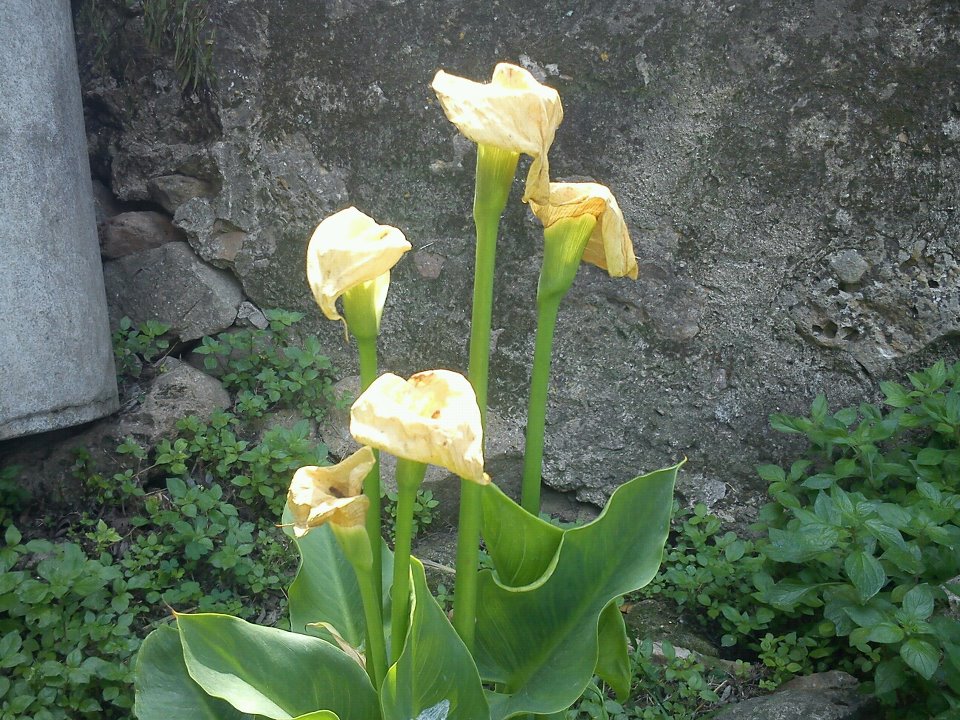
[56, 362]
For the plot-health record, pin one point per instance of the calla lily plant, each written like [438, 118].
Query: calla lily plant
[367, 640]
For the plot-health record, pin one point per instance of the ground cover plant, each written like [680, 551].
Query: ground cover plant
[854, 562]
[186, 524]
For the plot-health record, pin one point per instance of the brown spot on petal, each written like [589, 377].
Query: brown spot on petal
[435, 415]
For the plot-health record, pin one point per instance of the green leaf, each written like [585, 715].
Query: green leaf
[888, 536]
[908, 559]
[786, 594]
[921, 656]
[896, 395]
[866, 574]
[864, 616]
[918, 603]
[164, 688]
[889, 676]
[771, 473]
[930, 492]
[271, 672]
[885, 633]
[434, 668]
[894, 515]
[818, 409]
[540, 640]
[613, 660]
[801, 545]
[735, 550]
[326, 590]
[520, 545]
[820, 481]
[930, 456]
[937, 375]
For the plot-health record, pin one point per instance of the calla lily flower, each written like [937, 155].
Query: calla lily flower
[332, 494]
[348, 250]
[513, 112]
[431, 418]
[609, 246]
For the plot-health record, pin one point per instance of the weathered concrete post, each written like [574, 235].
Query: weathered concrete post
[56, 364]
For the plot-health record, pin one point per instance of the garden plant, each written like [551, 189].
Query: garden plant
[367, 639]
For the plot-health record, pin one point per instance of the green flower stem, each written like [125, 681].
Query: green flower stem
[356, 546]
[409, 476]
[361, 311]
[367, 350]
[495, 171]
[563, 246]
[537, 408]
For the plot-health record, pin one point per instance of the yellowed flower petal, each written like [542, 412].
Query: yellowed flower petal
[431, 418]
[330, 494]
[513, 112]
[347, 249]
[609, 247]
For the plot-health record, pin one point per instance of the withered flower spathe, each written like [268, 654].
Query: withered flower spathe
[319, 495]
[431, 418]
[513, 112]
[349, 249]
[609, 246]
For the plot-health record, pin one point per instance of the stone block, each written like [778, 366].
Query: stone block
[172, 285]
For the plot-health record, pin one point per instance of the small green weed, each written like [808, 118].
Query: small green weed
[66, 631]
[666, 686]
[135, 345]
[265, 367]
[423, 512]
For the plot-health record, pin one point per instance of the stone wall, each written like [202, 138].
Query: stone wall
[789, 173]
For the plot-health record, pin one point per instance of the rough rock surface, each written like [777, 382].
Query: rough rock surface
[789, 173]
[170, 284]
[132, 232]
[177, 391]
[823, 696]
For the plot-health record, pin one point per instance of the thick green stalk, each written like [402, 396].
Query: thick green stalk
[356, 546]
[370, 584]
[361, 311]
[537, 407]
[495, 171]
[367, 350]
[409, 476]
[563, 246]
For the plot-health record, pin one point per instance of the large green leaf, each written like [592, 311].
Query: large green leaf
[613, 660]
[523, 548]
[435, 677]
[164, 688]
[521, 545]
[539, 641]
[326, 590]
[277, 674]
